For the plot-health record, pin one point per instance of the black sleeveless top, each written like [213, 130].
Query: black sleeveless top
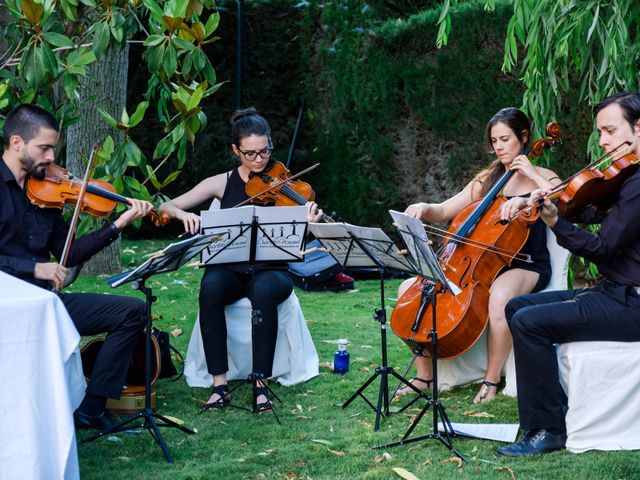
[234, 190]
[234, 194]
[536, 246]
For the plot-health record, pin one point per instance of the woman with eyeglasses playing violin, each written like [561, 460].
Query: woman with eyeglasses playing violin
[224, 285]
[507, 134]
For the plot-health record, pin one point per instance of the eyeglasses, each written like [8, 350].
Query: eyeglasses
[251, 155]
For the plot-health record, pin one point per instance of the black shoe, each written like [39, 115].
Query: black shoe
[104, 421]
[533, 443]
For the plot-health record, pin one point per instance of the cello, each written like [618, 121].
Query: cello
[476, 248]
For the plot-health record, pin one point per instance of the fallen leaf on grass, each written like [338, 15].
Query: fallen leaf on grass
[266, 452]
[363, 369]
[331, 428]
[406, 474]
[176, 332]
[427, 461]
[471, 413]
[174, 419]
[303, 417]
[321, 441]
[328, 365]
[508, 470]
[381, 458]
[311, 408]
[456, 460]
[337, 453]
[124, 459]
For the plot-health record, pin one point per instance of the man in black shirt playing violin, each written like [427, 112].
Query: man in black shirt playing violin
[29, 235]
[609, 311]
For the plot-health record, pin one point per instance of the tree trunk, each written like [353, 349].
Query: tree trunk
[105, 87]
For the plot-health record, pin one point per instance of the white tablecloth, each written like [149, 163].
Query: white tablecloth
[41, 384]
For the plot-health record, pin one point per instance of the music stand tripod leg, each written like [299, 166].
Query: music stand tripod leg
[384, 370]
[147, 415]
[438, 409]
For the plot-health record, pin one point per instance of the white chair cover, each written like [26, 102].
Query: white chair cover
[601, 381]
[296, 358]
[471, 366]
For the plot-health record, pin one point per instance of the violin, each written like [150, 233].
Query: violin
[590, 186]
[599, 188]
[59, 188]
[476, 248]
[275, 186]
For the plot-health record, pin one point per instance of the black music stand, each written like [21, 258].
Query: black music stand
[435, 283]
[354, 246]
[255, 234]
[169, 259]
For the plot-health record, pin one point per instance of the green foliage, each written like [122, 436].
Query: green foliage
[375, 77]
[53, 43]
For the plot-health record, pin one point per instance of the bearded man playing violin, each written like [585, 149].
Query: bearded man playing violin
[29, 235]
[609, 311]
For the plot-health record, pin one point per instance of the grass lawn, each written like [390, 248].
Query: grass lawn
[317, 439]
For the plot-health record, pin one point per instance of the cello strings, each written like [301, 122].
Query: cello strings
[474, 243]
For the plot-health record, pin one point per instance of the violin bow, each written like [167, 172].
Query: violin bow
[562, 185]
[78, 209]
[282, 182]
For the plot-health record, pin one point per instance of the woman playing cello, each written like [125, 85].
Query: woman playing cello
[224, 285]
[507, 134]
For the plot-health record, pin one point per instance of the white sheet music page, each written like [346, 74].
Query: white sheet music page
[232, 229]
[336, 238]
[281, 233]
[382, 247]
[418, 244]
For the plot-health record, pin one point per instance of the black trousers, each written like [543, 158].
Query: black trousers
[607, 312]
[123, 318]
[221, 287]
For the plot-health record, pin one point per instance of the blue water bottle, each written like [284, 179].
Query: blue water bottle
[341, 358]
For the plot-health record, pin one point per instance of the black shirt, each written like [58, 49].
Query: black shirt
[30, 234]
[615, 249]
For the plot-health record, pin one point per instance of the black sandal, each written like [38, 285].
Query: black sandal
[224, 400]
[484, 391]
[267, 406]
[406, 390]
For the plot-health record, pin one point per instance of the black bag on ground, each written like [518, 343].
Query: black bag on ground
[318, 271]
[167, 368]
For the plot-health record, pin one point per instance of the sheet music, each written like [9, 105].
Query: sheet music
[170, 258]
[356, 246]
[418, 244]
[280, 237]
[336, 238]
[281, 233]
[381, 247]
[501, 432]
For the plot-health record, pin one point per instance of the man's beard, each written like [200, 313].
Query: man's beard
[29, 165]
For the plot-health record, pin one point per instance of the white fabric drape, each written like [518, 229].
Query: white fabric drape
[42, 383]
[296, 358]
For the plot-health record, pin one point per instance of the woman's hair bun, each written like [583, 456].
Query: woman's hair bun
[244, 112]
